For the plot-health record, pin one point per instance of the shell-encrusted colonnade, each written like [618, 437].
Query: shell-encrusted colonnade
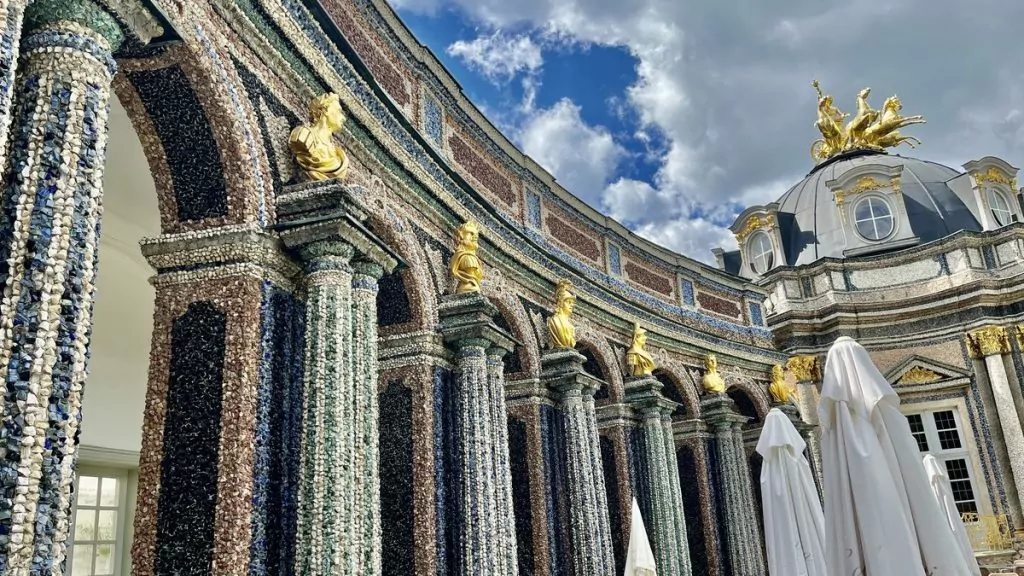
[335, 386]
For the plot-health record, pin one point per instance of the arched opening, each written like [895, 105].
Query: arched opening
[745, 407]
[692, 507]
[670, 388]
[593, 367]
[115, 392]
[514, 359]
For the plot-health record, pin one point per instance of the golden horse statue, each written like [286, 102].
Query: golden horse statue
[869, 129]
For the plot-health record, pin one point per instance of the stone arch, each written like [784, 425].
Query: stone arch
[513, 317]
[393, 228]
[746, 405]
[198, 131]
[587, 337]
[675, 388]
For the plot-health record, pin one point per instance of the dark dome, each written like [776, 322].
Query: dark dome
[810, 223]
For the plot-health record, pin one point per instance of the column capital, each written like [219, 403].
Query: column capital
[562, 371]
[805, 368]
[54, 15]
[468, 320]
[719, 412]
[644, 395]
[987, 341]
[325, 210]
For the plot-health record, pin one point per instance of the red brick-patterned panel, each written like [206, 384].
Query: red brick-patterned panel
[569, 235]
[648, 279]
[718, 305]
[371, 53]
[482, 171]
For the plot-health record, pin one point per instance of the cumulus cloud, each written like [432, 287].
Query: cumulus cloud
[727, 86]
[499, 56]
[582, 157]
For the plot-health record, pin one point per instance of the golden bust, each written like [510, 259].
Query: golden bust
[712, 381]
[779, 389]
[465, 265]
[313, 144]
[639, 360]
[561, 332]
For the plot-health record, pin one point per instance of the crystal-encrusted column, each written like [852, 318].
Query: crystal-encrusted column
[12, 13]
[562, 372]
[991, 343]
[667, 525]
[49, 230]
[742, 545]
[488, 540]
[752, 522]
[338, 528]
[676, 494]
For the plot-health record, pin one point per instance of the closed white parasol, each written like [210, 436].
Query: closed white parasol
[944, 496]
[794, 528]
[880, 516]
[640, 557]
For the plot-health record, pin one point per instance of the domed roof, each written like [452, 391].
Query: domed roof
[809, 221]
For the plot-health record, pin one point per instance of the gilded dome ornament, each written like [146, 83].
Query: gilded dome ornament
[869, 129]
[780, 390]
[313, 145]
[638, 359]
[561, 332]
[466, 268]
[712, 381]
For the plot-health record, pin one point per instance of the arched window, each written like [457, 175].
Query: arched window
[1000, 207]
[873, 218]
[761, 253]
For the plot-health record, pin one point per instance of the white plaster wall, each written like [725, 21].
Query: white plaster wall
[123, 315]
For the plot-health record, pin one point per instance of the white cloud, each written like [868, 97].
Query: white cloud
[693, 236]
[726, 87]
[582, 157]
[498, 56]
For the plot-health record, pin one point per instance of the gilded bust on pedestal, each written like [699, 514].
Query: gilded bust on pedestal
[561, 332]
[465, 264]
[639, 360]
[712, 381]
[781, 391]
[316, 153]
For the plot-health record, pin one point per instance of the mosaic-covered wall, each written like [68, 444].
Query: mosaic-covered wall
[319, 401]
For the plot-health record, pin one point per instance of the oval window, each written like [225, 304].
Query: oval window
[761, 253]
[1000, 207]
[873, 218]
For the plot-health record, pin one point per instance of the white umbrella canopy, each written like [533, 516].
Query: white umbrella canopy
[880, 516]
[639, 557]
[794, 528]
[944, 496]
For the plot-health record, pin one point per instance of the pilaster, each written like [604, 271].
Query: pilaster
[488, 539]
[12, 14]
[562, 371]
[991, 343]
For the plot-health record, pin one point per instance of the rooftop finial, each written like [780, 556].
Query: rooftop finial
[869, 129]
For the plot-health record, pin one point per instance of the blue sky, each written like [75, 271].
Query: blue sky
[673, 115]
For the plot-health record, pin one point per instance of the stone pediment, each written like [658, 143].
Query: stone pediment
[919, 374]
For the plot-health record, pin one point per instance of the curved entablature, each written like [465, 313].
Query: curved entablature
[405, 109]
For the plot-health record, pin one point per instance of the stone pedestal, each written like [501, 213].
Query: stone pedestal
[338, 528]
[742, 534]
[562, 372]
[488, 538]
[667, 527]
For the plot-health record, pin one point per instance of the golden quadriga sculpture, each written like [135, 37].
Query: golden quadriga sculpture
[313, 145]
[778, 388]
[869, 129]
[561, 332]
[638, 359]
[465, 265]
[712, 381]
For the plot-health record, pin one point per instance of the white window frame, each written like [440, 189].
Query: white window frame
[992, 194]
[931, 434]
[122, 477]
[753, 244]
[855, 222]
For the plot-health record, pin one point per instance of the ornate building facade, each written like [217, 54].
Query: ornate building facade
[320, 395]
[921, 263]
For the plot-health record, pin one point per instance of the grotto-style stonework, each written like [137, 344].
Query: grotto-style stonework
[322, 397]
